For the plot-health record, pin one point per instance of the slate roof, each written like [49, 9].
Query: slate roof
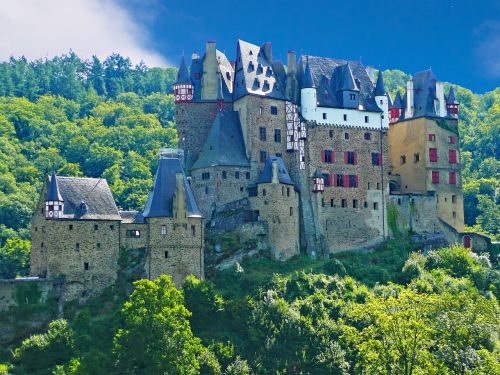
[266, 175]
[328, 77]
[131, 217]
[161, 198]
[183, 74]
[256, 73]
[308, 80]
[379, 86]
[397, 101]
[424, 93]
[93, 192]
[348, 83]
[224, 145]
[53, 193]
[451, 97]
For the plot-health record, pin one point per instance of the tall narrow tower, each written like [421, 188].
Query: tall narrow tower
[183, 87]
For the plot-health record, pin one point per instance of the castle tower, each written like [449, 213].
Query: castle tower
[183, 86]
[349, 88]
[308, 101]
[210, 77]
[452, 104]
[54, 202]
[395, 109]
[381, 98]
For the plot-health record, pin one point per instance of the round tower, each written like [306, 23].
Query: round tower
[308, 101]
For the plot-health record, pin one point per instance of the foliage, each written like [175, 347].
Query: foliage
[14, 258]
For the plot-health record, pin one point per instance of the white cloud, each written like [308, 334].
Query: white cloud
[45, 28]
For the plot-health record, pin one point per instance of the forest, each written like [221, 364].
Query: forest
[393, 312]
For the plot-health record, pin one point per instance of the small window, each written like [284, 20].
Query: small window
[433, 155]
[166, 254]
[345, 117]
[350, 157]
[353, 181]
[324, 116]
[452, 139]
[262, 134]
[452, 179]
[133, 233]
[112, 227]
[378, 185]
[77, 246]
[432, 137]
[164, 230]
[366, 204]
[344, 203]
[367, 119]
[96, 227]
[328, 156]
[224, 175]
[98, 245]
[330, 133]
[368, 136]
[263, 192]
[86, 266]
[291, 211]
[70, 227]
[206, 190]
[36, 229]
[193, 230]
[274, 110]
[287, 191]
[277, 135]
[237, 175]
[376, 158]
[331, 203]
[375, 205]
[205, 176]
[454, 215]
[41, 245]
[453, 199]
[247, 175]
[263, 156]
[346, 135]
[352, 96]
[402, 159]
[327, 180]
[340, 180]
[416, 157]
[354, 203]
[435, 177]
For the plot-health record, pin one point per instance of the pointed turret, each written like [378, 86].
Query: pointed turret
[308, 100]
[452, 104]
[54, 202]
[398, 102]
[348, 82]
[395, 109]
[183, 86]
[348, 87]
[379, 87]
[308, 79]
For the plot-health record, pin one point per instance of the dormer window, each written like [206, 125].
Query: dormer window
[260, 69]
[251, 67]
[266, 86]
[256, 83]
[250, 53]
[228, 75]
[269, 72]
[352, 96]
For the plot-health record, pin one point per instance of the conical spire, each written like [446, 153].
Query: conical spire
[451, 97]
[308, 79]
[398, 103]
[183, 74]
[348, 83]
[379, 87]
[53, 193]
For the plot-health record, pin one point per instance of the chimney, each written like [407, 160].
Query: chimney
[210, 47]
[292, 62]
[409, 99]
[275, 178]
[268, 51]
[179, 204]
[440, 98]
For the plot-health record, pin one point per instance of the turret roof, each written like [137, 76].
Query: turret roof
[183, 74]
[348, 83]
[266, 175]
[379, 87]
[451, 97]
[53, 193]
[308, 80]
[397, 101]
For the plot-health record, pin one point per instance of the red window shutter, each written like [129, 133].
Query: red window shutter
[433, 154]
[452, 156]
[334, 182]
[345, 157]
[435, 177]
[330, 179]
[357, 182]
[453, 178]
[323, 156]
[346, 180]
[333, 156]
[379, 159]
[355, 157]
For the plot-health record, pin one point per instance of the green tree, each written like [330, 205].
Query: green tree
[14, 258]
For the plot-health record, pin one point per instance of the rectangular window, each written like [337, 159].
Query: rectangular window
[375, 205]
[345, 117]
[98, 245]
[205, 176]
[164, 230]
[346, 135]
[263, 156]
[376, 158]
[112, 227]
[432, 137]
[331, 203]
[193, 230]
[86, 266]
[353, 181]
[433, 155]
[262, 134]
[340, 180]
[324, 116]
[416, 157]
[453, 199]
[452, 156]
[96, 227]
[274, 110]
[350, 157]
[237, 175]
[327, 156]
[344, 203]
[330, 133]
[453, 178]
[247, 175]
[133, 233]
[77, 246]
[435, 177]
[327, 178]
[452, 139]
[166, 254]
[41, 245]
[277, 135]
[291, 211]
[402, 159]
[224, 175]
[368, 136]
[367, 119]
[70, 227]
[354, 203]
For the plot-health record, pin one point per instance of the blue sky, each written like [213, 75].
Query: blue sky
[459, 39]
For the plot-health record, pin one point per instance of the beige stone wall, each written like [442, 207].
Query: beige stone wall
[255, 112]
[179, 253]
[218, 191]
[278, 205]
[410, 137]
[346, 228]
[130, 242]
[417, 213]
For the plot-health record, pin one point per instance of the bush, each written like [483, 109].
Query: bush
[335, 267]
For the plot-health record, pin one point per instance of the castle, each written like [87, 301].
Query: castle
[316, 150]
